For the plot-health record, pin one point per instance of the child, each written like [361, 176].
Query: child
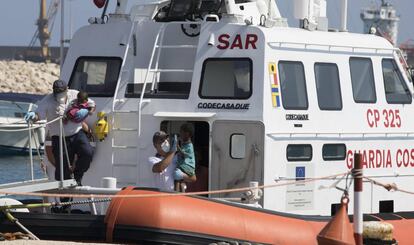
[185, 158]
[82, 102]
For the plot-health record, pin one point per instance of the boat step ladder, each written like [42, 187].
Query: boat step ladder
[126, 167]
[119, 167]
[154, 69]
[123, 147]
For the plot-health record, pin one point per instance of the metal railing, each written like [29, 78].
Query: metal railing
[314, 46]
[30, 128]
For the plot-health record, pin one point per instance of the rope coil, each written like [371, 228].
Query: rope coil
[357, 173]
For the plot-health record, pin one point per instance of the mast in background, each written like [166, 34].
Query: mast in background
[44, 34]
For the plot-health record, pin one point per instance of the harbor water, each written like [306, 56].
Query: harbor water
[17, 168]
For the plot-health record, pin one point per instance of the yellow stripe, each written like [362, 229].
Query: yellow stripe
[274, 101]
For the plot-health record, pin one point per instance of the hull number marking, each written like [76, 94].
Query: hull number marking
[387, 118]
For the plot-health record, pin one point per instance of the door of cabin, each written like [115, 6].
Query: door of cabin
[237, 155]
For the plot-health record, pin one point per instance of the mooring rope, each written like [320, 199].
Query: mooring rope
[175, 194]
[388, 186]
[108, 198]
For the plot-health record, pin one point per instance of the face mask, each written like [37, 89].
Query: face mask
[61, 98]
[165, 146]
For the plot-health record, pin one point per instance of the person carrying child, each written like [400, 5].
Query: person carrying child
[81, 102]
[185, 158]
[79, 109]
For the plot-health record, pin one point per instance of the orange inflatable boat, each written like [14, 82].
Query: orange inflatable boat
[197, 220]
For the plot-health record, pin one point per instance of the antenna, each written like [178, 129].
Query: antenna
[344, 15]
[311, 13]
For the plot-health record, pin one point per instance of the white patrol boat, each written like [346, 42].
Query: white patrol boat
[269, 103]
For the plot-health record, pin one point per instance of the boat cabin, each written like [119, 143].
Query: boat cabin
[269, 103]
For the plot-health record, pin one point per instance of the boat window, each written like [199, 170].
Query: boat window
[334, 152]
[295, 153]
[226, 78]
[362, 78]
[96, 75]
[238, 146]
[15, 109]
[335, 208]
[396, 90]
[328, 87]
[292, 79]
[386, 206]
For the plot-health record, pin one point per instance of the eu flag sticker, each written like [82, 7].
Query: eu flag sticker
[300, 173]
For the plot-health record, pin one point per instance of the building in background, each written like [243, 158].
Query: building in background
[381, 20]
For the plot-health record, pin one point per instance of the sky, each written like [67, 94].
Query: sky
[18, 18]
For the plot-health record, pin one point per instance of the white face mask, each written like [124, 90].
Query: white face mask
[61, 98]
[165, 146]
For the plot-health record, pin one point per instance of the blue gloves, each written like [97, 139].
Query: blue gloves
[173, 143]
[81, 115]
[30, 116]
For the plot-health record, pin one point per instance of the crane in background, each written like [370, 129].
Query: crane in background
[45, 24]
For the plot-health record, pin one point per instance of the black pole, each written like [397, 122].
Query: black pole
[104, 10]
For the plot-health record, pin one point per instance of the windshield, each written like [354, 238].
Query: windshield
[15, 109]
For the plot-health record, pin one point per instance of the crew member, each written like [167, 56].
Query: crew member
[53, 106]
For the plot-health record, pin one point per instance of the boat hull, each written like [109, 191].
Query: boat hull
[189, 220]
[17, 143]
[224, 221]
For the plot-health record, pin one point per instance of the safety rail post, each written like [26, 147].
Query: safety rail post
[61, 151]
[358, 218]
[124, 58]
[30, 151]
[62, 34]
[144, 85]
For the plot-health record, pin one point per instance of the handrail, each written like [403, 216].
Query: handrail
[118, 82]
[158, 38]
[282, 178]
[30, 128]
[330, 46]
[30, 152]
[332, 135]
[141, 97]
[61, 151]
[156, 77]
[40, 125]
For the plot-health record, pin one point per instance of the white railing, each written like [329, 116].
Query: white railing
[332, 135]
[159, 44]
[30, 129]
[313, 46]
